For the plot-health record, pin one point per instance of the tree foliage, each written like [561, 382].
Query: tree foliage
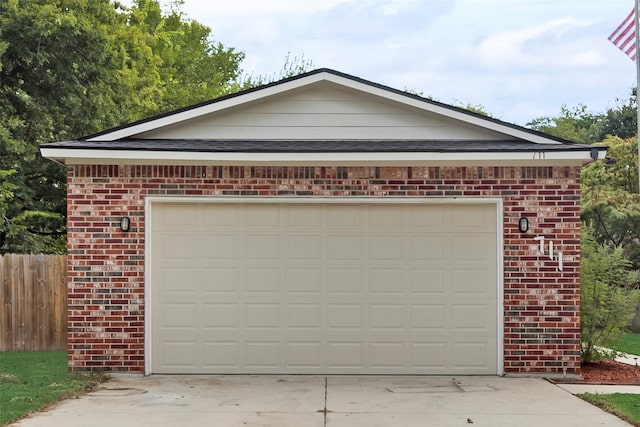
[607, 302]
[575, 124]
[579, 125]
[621, 121]
[292, 67]
[69, 68]
[610, 200]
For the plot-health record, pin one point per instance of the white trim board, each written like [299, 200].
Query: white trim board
[539, 158]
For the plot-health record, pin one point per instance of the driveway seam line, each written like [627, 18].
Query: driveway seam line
[325, 401]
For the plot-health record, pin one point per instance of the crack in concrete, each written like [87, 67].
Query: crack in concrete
[325, 401]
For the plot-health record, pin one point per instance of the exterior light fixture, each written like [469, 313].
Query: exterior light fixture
[523, 224]
[125, 223]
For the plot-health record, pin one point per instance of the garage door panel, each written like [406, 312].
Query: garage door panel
[179, 354]
[387, 355]
[221, 216]
[304, 247]
[262, 354]
[428, 218]
[304, 354]
[261, 247]
[432, 281]
[261, 280]
[178, 279]
[387, 217]
[345, 248]
[221, 316]
[220, 246]
[179, 316]
[386, 281]
[431, 317]
[345, 354]
[262, 316]
[429, 248]
[345, 218]
[471, 281]
[262, 216]
[382, 248]
[221, 355]
[324, 288]
[178, 247]
[345, 316]
[176, 217]
[474, 218]
[471, 317]
[303, 280]
[386, 317]
[302, 216]
[344, 280]
[470, 356]
[428, 355]
[469, 248]
[304, 316]
[222, 280]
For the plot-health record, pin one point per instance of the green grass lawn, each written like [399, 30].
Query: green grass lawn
[625, 406]
[30, 381]
[628, 343]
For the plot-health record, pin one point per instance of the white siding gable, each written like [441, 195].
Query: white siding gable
[320, 111]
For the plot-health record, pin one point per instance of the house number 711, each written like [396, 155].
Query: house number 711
[558, 255]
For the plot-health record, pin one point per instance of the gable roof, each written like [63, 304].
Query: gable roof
[323, 116]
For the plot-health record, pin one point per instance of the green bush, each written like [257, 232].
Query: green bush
[608, 299]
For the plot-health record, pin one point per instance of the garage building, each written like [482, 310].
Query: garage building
[323, 224]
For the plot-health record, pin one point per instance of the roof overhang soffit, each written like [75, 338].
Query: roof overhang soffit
[540, 158]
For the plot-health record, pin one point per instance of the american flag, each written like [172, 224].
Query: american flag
[624, 37]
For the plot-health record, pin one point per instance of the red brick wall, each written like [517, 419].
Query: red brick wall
[106, 266]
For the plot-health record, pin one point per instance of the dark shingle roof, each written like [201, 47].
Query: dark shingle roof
[319, 146]
[335, 73]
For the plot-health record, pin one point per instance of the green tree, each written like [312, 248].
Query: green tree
[41, 81]
[575, 124]
[610, 200]
[621, 121]
[291, 67]
[607, 302]
[192, 67]
[579, 125]
[69, 68]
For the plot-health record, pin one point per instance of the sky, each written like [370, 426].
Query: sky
[517, 59]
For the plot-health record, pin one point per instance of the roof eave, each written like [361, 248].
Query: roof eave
[537, 158]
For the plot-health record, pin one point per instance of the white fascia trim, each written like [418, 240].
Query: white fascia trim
[76, 156]
[209, 108]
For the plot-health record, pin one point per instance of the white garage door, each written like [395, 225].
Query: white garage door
[332, 288]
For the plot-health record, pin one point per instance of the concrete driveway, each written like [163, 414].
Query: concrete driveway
[163, 400]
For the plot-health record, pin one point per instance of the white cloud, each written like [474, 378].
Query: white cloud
[253, 7]
[519, 58]
[537, 45]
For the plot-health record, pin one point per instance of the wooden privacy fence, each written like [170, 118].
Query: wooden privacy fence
[33, 298]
